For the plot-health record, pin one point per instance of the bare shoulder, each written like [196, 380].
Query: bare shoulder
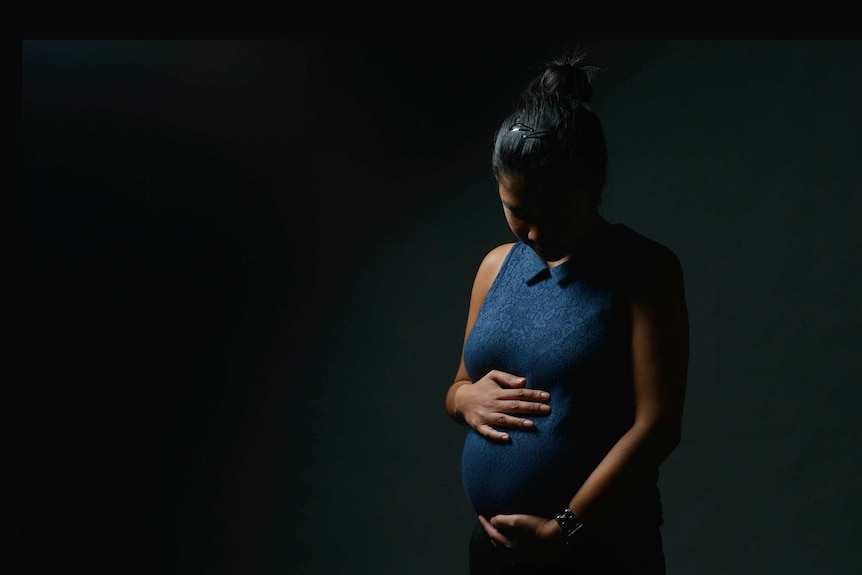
[490, 267]
[659, 309]
[494, 258]
[669, 278]
[669, 266]
[655, 269]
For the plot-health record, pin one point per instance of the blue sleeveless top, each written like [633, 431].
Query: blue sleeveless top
[567, 329]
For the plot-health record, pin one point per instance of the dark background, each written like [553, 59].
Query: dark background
[248, 266]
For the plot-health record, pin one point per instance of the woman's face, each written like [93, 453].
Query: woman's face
[550, 222]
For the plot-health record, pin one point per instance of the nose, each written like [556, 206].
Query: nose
[536, 234]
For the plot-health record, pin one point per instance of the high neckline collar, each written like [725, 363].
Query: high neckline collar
[564, 272]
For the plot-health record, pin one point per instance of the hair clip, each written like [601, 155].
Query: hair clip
[529, 132]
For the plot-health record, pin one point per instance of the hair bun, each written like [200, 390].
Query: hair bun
[566, 76]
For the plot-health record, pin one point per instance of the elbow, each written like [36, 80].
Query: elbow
[669, 437]
[674, 439]
[662, 436]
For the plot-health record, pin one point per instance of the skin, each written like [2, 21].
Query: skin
[554, 225]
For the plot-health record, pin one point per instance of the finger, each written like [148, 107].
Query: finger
[489, 529]
[494, 533]
[491, 433]
[503, 420]
[503, 522]
[507, 379]
[507, 422]
[521, 406]
[525, 395]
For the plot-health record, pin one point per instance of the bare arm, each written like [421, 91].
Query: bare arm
[498, 398]
[660, 345]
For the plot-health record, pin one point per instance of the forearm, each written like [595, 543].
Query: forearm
[451, 408]
[660, 363]
[623, 470]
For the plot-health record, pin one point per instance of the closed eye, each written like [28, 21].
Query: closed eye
[518, 215]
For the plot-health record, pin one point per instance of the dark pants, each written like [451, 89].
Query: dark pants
[637, 552]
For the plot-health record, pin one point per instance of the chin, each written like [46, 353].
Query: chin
[551, 258]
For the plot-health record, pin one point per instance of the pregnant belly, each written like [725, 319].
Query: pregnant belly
[537, 472]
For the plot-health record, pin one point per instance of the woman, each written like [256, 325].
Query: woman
[573, 370]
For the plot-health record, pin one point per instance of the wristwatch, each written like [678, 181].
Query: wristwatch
[571, 525]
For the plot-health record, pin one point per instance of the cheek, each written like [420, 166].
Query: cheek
[517, 226]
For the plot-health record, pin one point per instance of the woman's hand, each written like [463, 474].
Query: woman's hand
[499, 399]
[526, 539]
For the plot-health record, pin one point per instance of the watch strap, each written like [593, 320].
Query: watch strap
[570, 524]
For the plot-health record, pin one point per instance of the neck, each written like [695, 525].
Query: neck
[595, 224]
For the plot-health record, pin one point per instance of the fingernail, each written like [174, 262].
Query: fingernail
[545, 395]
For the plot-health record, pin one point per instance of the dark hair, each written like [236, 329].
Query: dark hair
[553, 138]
